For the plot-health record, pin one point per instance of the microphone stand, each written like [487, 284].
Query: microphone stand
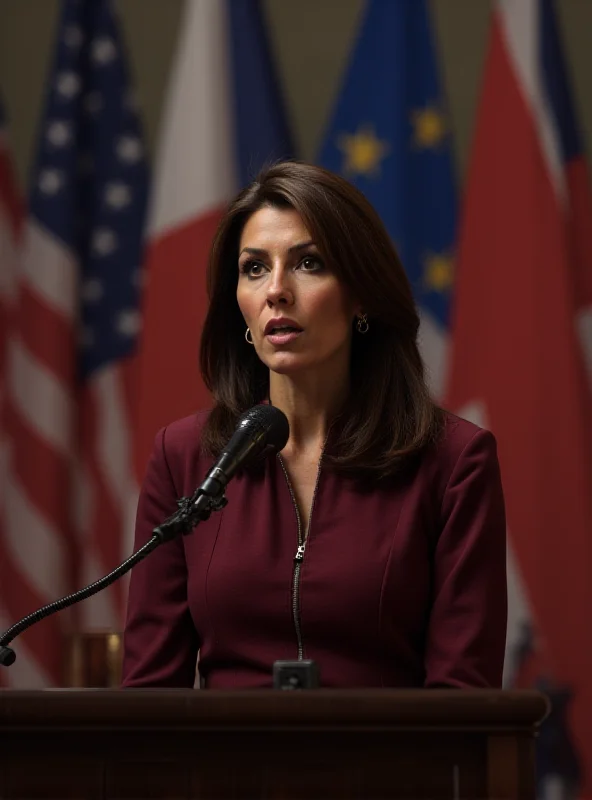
[190, 512]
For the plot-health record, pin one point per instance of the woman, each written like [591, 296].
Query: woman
[374, 543]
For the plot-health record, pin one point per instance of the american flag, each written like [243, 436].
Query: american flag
[70, 488]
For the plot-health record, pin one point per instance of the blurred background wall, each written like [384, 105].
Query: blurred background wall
[311, 40]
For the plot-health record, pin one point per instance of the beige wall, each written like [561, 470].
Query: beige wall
[310, 38]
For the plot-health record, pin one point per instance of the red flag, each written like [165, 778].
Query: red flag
[518, 363]
[222, 121]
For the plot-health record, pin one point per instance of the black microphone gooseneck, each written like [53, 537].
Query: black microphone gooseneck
[261, 430]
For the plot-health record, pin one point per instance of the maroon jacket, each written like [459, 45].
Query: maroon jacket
[400, 585]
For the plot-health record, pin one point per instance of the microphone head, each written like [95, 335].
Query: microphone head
[270, 423]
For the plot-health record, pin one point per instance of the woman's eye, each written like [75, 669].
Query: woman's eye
[252, 268]
[311, 263]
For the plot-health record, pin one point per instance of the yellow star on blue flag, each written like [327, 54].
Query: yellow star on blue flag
[363, 152]
[429, 127]
[438, 273]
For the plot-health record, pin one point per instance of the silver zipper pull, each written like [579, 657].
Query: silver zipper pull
[300, 553]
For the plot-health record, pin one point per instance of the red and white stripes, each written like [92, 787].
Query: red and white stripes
[106, 490]
[37, 535]
[68, 489]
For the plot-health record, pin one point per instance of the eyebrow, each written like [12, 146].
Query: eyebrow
[257, 251]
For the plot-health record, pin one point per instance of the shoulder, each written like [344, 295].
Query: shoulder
[461, 446]
[183, 434]
[177, 445]
[459, 435]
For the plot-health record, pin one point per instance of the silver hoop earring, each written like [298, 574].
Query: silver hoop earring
[247, 334]
[362, 324]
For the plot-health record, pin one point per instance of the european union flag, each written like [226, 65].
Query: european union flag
[390, 136]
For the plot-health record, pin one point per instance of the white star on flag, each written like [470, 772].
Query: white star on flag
[51, 181]
[68, 84]
[103, 50]
[129, 323]
[59, 133]
[104, 241]
[129, 149]
[118, 195]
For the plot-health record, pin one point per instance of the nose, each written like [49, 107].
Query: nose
[279, 290]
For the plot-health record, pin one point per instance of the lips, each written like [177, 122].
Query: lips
[282, 325]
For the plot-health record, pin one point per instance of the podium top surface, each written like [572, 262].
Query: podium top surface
[187, 709]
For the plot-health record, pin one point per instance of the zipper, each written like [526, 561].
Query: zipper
[299, 556]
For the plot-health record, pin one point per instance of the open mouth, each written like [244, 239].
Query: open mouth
[284, 329]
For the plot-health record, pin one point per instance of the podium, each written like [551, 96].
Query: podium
[320, 743]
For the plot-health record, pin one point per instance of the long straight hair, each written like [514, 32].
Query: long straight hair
[388, 416]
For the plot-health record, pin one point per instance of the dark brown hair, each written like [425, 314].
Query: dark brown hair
[389, 415]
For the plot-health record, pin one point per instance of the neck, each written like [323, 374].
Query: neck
[309, 402]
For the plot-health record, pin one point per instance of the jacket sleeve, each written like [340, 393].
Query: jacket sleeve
[160, 641]
[467, 626]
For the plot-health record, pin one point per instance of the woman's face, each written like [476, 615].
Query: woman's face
[299, 314]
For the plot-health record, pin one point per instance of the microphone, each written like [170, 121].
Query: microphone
[260, 431]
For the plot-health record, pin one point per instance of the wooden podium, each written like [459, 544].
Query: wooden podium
[320, 743]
